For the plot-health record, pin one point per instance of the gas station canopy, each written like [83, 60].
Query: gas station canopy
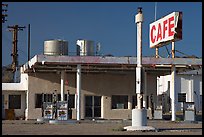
[46, 63]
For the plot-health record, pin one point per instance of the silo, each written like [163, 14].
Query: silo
[56, 47]
[85, 48]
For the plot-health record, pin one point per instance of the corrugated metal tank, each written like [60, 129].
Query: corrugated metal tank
[55, 47]
[85, 48]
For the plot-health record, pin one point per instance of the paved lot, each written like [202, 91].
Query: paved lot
[98, 127]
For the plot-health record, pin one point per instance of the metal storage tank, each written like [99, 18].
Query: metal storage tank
[85, 48]
[56, 47]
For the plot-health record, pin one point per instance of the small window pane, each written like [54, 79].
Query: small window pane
[71, 99]
[119, 102]
[14, 101]
[47, 97]
[38, 100]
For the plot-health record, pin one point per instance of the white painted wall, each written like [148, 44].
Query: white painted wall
[18, 112]
[16, 89]
[191, 84]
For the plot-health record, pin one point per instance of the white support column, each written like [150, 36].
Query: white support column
[158, 92]
[27, 105]
[62, 86]
[102, 106]
[191, 91]
[173, 93]
[78, 92]
[172, 87]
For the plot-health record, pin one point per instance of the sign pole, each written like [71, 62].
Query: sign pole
[139, 114]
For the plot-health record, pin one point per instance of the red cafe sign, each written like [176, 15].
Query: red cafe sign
[166, 30]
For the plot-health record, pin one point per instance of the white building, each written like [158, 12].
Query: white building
[189, 82]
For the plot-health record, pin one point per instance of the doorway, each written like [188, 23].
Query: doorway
[92, 106]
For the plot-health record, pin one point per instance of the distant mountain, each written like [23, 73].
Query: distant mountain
[7, 74]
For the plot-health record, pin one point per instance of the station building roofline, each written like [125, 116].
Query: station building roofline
[48, 62]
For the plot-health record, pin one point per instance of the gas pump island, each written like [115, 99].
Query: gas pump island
[55, 111]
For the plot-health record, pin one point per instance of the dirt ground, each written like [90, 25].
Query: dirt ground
[98, 127]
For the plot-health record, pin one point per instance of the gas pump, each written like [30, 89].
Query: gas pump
[62, 109]
[182, 99]
[55, 110]
[189, 111]
[47, 108]
[62, 113]
[158, 112]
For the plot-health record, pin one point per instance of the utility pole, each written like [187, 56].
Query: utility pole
[3, 14]
[14, 54]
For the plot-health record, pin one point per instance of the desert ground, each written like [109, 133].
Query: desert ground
[98, 127]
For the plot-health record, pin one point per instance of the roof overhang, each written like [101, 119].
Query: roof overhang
[47, 63]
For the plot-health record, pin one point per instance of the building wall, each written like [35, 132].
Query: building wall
[15, 89]
[189, 84]
[100, 84]
[192, 85]
[18, 112]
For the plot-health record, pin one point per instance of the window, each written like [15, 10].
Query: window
[38, 99]
[119, 101]
[48, 98]
[59, 97]
[71, 99]
[14, 101]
